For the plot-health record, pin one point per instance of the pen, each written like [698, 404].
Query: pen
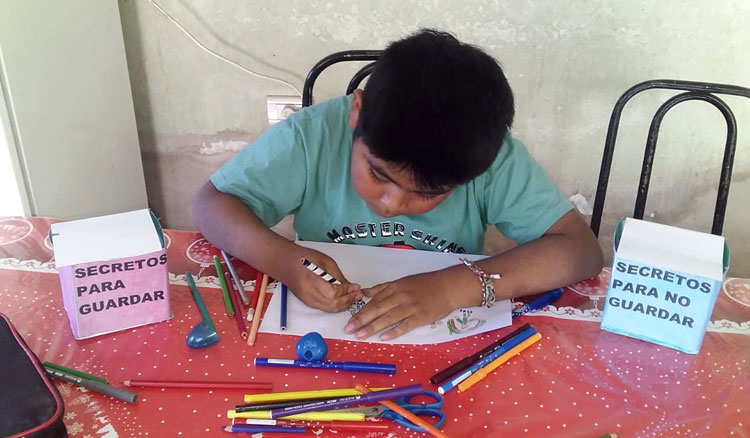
[224, 289]
[370, 397]
[356, 367]
[94, 385]
[467, 361]
[483, 362]
[538, 302]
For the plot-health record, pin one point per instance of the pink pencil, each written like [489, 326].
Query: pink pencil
[234, 296]
[201, 384]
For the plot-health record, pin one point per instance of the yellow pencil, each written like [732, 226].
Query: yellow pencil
[309, 416]
[482, 373]
[258, 311]
[303, 395]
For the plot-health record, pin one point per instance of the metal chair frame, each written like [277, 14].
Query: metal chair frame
[347, 55]
[692, 91]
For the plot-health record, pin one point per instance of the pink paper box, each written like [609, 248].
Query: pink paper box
[113, 272]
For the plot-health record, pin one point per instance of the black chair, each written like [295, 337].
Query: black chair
[348, 55]
[693, 91]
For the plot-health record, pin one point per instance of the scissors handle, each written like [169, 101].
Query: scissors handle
[422, 412]
[406, 403]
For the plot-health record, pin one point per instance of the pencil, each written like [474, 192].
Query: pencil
[481, 374]
[236, 303]
[197, 384]
[256, 291]
[236, 278]
[258, 311]
[224, 290]
[406, 414]
[284, 293]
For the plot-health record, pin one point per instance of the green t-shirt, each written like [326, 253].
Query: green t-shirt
[302, 165]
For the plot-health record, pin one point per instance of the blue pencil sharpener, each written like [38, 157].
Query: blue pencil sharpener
[312, 347]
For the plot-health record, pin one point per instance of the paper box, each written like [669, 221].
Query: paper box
[664, 283]
[113, 272]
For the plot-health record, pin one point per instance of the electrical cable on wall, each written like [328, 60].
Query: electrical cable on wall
[222, 57]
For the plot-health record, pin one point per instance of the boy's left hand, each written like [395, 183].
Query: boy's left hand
[410, 302]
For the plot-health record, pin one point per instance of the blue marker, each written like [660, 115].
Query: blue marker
[356, 367]
[538, 302]
[481, 363]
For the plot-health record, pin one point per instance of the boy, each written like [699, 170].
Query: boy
[421, 157]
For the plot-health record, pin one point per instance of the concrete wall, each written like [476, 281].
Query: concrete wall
[568, 62]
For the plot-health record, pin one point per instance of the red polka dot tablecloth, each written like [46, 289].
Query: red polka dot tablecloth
[578, 381]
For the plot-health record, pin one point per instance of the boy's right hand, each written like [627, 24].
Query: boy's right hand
[316, 292]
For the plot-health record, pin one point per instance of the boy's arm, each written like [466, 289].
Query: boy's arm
[230, 225]
[566, 253]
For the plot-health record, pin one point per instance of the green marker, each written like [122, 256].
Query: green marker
[74, 372]
[224, 288]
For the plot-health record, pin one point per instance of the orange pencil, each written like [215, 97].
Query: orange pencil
[258, 310]
[406, 414]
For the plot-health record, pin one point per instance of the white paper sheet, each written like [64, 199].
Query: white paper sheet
[104, 238]
[369, 266]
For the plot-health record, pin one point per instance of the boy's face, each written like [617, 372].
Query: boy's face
[388, 190]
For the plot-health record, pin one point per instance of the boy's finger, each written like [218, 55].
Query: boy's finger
[403, 327]
[372, 291]
[372, 311]
[385, 320]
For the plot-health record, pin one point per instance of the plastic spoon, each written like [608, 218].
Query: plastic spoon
[204, 333]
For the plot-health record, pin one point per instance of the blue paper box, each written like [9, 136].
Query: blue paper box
[664, 283]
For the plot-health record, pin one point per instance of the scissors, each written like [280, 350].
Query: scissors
[426, 410]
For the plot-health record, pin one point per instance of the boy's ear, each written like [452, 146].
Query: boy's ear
[356, 107]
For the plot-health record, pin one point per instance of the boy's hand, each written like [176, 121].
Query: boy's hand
[410, 302]
[316, 292]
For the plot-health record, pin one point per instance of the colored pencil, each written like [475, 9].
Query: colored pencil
[96, 386]
[481, 374]
[370, 397]
[258, 311]
[236, 303]
[236, 278]
[284, 293]
[308, 416]
[74, 372]
[355, 367]
[466, 362]
[303, 395]
[334, 425]
[198, 384]
[483, 362]
[224, 289]
[255, 428]
[406, 414]
[275, 405]
[256, 292]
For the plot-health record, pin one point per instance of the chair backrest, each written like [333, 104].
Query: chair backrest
[348, 55]
[693, 91]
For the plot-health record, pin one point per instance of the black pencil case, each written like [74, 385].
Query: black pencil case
[30, 405]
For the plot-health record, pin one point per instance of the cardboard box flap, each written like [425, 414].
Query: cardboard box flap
[105, 238]
[671, 247]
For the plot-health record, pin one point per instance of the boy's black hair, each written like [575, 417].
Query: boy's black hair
[437, 107]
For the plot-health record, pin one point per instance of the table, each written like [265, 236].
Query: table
[578, 381]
